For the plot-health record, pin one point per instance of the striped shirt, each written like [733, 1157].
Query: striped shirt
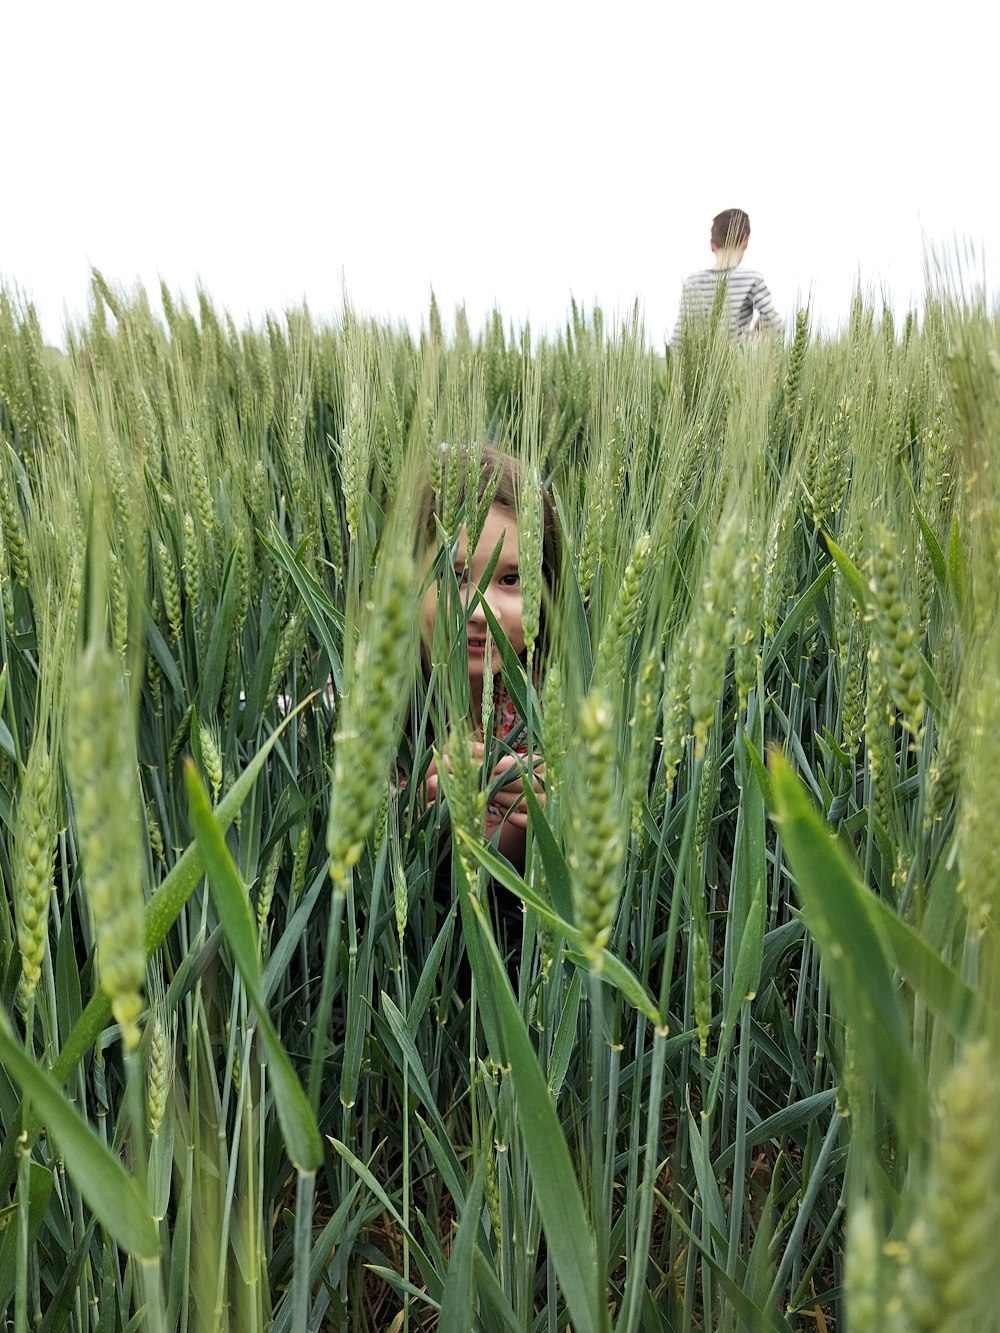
[746, 293]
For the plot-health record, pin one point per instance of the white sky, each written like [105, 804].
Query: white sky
[512, 153]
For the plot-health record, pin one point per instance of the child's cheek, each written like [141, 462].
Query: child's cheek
[428, 612]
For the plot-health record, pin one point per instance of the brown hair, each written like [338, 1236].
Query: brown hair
[507, 471]
[730, 228]
[500, 478]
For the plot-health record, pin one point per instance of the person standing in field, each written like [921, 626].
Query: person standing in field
[740, 294]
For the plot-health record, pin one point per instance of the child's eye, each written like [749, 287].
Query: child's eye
[512, 580]
[460, 574]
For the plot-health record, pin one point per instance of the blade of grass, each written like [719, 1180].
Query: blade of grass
[457, 1305]
[854, 949]
[109, 1190]
[612, 969]
[553, 1175]
[298, 1124]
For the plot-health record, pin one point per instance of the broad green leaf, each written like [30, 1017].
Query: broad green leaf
[794, 743]
[557, 1190]
[322, 612]
[360, 989]
[40, 1191]
[457, 1304]
[298, 1124]
[566, 1035]
[574, 609]
[708, 1185]
[749, 854]
[429, 973]
[785, 1121]
[258, 699]
[612, 969]
[444, 1159]
[410, 1289]
[63, 1299]
[854, 948]
[853, 577]
[958, 580]
[746, 974]
[69, 996]
[229, 894]
[557, 874]
[157, 645]
[777, 943]
[492, 1294]
[933, 692]
[757, 764]
[283, 949]
[798, 615]
[219, 640]
[748, 962]
[942, 988]
[162, 911]
[109, 1190]
[934, 551]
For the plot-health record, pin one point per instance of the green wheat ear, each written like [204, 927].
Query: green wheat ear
[862, 1269]
[101, 764]
[896, 633]
[34, 842]
[947, 1256]
[366, 739]
[12, 532]
[598, 827]
[676, 710]
[160, 1065]
[642, 726]
[625, 612]
[712, 627]
[529, 524]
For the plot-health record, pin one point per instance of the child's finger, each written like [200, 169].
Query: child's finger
[517, 767]
[431, 786]
[501, 817]
[508, 763]
[507, 797]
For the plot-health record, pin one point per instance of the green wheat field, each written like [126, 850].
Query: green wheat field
[285, 1046]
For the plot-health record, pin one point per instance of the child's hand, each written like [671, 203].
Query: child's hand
[431, 784]
[507, 802]
[506, 805]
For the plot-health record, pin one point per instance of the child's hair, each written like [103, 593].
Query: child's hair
[507, 471]
[730, 228]
[499, 478]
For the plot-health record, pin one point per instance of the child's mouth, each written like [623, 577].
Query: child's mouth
[477, 647]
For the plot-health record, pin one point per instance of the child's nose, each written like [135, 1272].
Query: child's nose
[477, 616]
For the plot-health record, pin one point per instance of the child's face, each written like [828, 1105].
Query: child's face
[502, 594]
